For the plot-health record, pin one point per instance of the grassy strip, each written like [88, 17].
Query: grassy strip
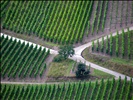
[117, 64]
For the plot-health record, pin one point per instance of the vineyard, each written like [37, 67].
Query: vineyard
[53, 24]
[20, 59]
[118, 46]
[102, 90]
[55, 21]
[109, 16]
[65, 22]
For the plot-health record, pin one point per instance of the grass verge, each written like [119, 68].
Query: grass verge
[32, 38]
[63, 69]
[60, 69]
[117, 64]
[101, 74]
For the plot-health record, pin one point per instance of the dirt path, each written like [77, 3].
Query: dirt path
[40, 83]
[78, 56]
[116, 74]
[78, 50]
[6, 82]
[30, 43]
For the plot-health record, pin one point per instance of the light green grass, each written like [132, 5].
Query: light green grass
[59, 69]
[63, 68]
[101, 74]
[33, 39]
[122, 61]
[117, 64]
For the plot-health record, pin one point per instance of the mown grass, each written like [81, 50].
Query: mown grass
[122, 61]
[31, 38]
[60, 69]
[63, 68]
[101, 74]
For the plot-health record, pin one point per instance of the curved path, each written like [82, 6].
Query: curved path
[77, 57]
[78, 50]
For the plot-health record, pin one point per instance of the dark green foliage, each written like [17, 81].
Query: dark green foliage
[102, 90]
[117, 89]
[123, 88]
[42, 70]
[107, 47]
[58, 58]
[129, 44]
[129, 90]
[47, 20]
[97, 45]
[102, 45]
[117, 44]
[93, 45]
[123, 42]
[88, 25]
[66, 51]
[111, 44]
[105, 13]
[81, 70]
[21, 60]
[99, 16]
[99, 90]
[94, 21]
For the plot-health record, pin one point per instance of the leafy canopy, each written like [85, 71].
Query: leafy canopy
[66, 51]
